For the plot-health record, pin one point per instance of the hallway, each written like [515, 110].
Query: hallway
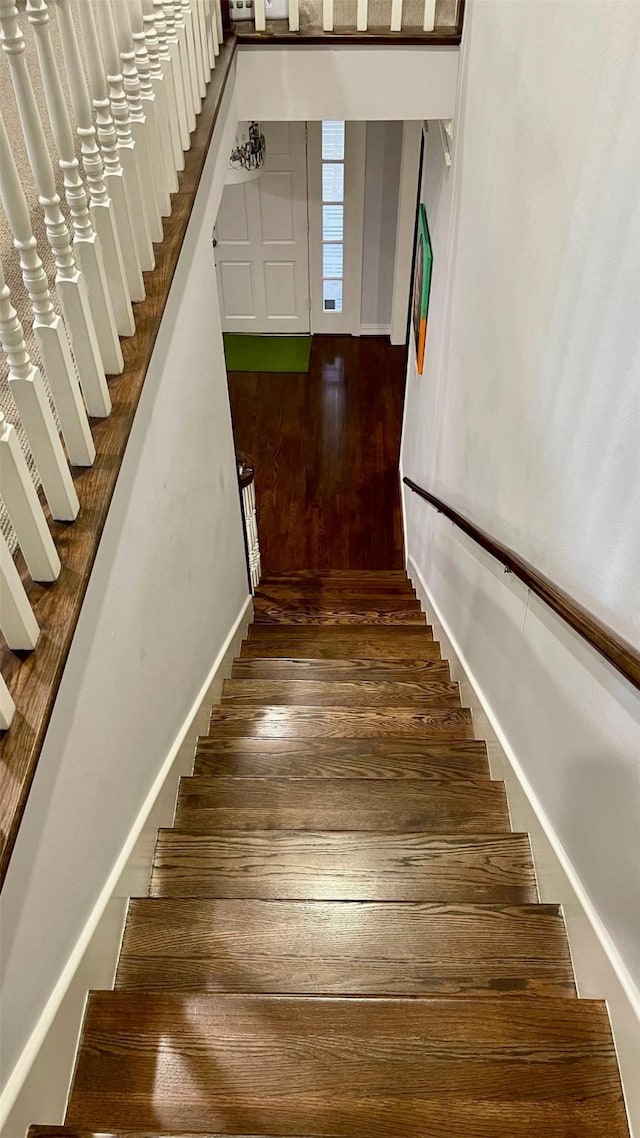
[325, 447]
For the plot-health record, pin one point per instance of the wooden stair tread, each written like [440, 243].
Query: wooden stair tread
[330, 1066]
[334, 617]
[281, 722]
[79, 1132]
[340, 643]
[341, 758]
[348, 607]
[390, 671]
[384, 637]
[387, 596]
[339, 804]
[353, 693]
[342, 599]
[347, 948]
[351, 865]
[346, 575]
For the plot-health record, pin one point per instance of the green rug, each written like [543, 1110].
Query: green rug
[267, 353]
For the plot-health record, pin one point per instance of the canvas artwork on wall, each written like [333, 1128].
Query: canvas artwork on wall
[421, 286]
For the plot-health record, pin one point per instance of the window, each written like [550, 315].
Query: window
[332, 215]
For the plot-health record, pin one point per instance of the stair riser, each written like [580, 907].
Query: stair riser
[333, 671]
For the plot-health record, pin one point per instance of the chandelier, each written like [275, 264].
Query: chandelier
[248, 154]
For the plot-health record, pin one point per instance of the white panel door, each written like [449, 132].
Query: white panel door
[262, 241]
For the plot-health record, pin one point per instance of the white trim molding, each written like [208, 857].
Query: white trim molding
[600, 972]
[37, 1087]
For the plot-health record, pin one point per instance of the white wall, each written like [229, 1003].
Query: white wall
[527, 417]
[382, 175]
[168, 586]
[357, 83]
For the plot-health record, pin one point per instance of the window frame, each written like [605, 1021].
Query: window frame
[347, 321]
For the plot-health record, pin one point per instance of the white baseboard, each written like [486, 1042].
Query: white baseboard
[37, 1089]
[600, 973]
[375, 329]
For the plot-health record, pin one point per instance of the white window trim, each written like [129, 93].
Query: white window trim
[347, 321]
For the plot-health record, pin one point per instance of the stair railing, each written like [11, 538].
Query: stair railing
[617, 651]
[431, 18]
[246, 482]
[84, 219]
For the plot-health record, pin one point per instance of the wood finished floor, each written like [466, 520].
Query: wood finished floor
[343, 938]
[325, 447]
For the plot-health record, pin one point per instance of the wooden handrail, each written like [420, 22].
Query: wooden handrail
[622, 655]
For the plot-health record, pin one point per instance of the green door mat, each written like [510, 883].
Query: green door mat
[267, 353]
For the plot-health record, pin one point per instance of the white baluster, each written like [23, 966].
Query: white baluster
[48, 327]
[147, 147]
[218, 19]
[165, 96]
[156, 130]
[86, 243]
[209, 30]
[190, 40]
[102, 206]
[294, 16]
[131, 157]
[123, 187]
[146, 44]
[23, 507]
[327, 15]
[362, 15]
[176, 31]
[429, 21]
[39, 425]
[209, 34]
[70, 282]
[169, 57]
[17, 622]
[165, 26]
[396, 15]
[249, 500]
[259, 15]
[7, 707]
[196, 13]
[218, 13]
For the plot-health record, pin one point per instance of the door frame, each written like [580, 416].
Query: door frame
[348, 321]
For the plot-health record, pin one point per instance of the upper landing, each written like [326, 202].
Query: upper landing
[349, 59]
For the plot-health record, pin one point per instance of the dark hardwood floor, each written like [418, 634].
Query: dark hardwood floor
[326, 447]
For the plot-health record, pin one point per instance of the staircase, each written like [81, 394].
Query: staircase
[343, 936]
